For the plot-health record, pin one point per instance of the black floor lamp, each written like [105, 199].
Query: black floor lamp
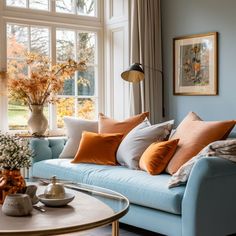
[134, 74]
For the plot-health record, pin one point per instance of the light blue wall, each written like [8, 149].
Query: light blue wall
[184, 17]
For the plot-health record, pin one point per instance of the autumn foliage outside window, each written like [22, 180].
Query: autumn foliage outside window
[44, 81]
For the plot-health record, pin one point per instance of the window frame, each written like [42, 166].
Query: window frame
[66, 17]
[43, 18]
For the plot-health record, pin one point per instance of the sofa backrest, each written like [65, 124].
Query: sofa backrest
[44, 149]
[50, 148]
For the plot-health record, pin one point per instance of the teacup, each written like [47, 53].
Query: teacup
[17, 205]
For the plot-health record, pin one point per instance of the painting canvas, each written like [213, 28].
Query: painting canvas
[195, 65]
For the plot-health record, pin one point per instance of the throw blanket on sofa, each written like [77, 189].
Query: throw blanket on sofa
[224, 149]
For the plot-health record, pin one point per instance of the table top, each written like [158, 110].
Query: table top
[92, 207]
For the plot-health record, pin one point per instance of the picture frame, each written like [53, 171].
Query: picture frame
[195, 60]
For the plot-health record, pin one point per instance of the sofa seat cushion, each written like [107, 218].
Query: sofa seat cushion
[137, 185]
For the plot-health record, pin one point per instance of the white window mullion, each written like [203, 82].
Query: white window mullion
[3, 86]
[75, 8]
[76, 75]
[76, 106]
[96, 88]
[53, 54]
[3, 123]
[52, 6]
[29, 38]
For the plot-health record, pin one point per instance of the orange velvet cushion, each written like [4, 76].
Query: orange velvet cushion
[98, 148]
[194, 135]
[156, 157]
[108, 125]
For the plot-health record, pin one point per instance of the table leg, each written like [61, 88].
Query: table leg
[115, 228]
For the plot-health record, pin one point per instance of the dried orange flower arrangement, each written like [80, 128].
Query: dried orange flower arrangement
[44, 81]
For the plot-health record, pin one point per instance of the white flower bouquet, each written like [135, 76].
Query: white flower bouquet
[14, 152]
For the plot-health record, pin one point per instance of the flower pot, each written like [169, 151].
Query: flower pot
[11, 182]
[37, 122]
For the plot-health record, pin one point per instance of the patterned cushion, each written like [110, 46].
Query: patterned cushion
[224, 149]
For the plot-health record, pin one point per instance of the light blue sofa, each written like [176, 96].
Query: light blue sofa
[206, 206]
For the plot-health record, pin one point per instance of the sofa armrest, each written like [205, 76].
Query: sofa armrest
[209, 205]
[46, 148]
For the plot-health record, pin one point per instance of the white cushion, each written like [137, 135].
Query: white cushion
[138, 140]
[74, 128]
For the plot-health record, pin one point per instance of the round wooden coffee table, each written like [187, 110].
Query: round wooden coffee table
[92, 207]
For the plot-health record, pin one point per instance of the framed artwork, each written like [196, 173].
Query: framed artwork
[195, 64]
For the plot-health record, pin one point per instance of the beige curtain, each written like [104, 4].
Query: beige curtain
[145, 42]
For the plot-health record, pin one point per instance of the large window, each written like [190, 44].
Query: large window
[76, 7]
[59, 42]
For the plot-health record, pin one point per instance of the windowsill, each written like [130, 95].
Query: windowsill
[48, 133]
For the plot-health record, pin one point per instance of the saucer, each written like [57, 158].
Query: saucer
[56, 202]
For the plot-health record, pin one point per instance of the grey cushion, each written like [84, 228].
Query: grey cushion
[138, 140]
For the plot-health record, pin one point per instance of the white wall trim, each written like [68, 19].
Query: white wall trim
[117, 90]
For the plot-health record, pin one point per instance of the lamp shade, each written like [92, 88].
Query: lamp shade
[134, 74]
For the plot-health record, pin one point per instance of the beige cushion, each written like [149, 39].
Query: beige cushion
[74, 128]
[194, 135]
[109, 125]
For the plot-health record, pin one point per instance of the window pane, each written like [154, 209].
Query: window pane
[65, 107]
[39, 4]
[65, 45]
[18, 115]
[16, 3]
[86, 82]
[69, 87]
[65, 6]
[85, 7]
[86, 46]
[40, 40]
[17, 67]
[17, 40]
[86, 108]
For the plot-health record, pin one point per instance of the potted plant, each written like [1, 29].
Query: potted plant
[14, 155]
